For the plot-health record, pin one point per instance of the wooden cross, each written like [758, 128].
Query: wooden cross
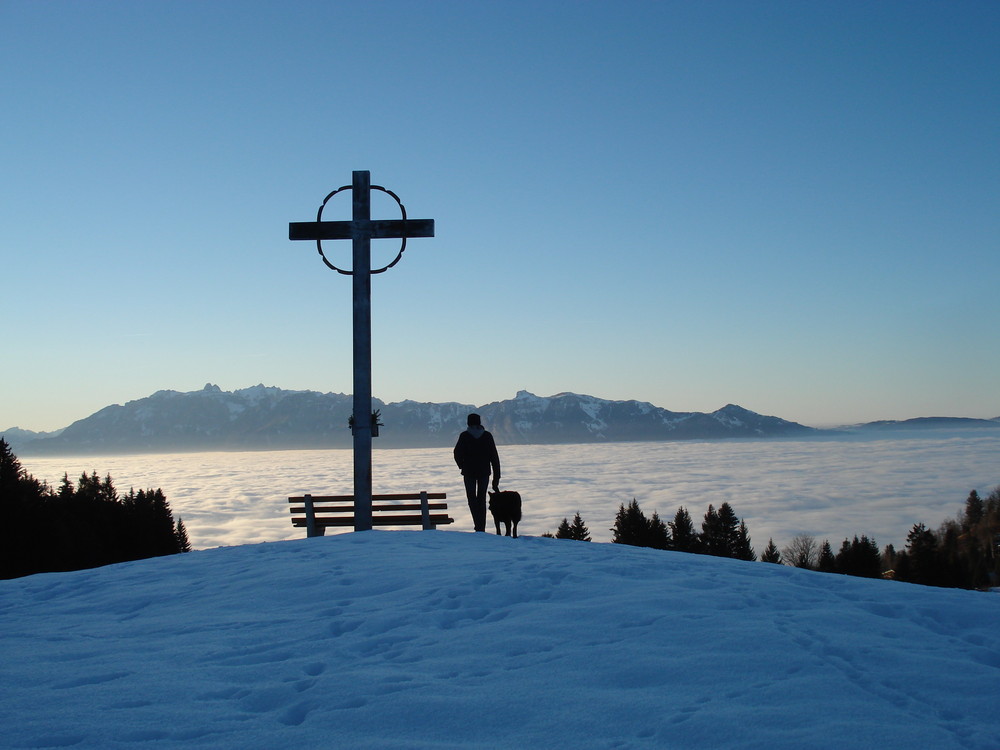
[361, 230]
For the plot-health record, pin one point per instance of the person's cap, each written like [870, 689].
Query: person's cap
[474, 420]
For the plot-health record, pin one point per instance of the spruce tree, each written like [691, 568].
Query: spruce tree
[712, 540]
[11, 474]
[921, 551]
[870, 558]
[974, 511]
[742, 549]
[953, 559]
[988, 533]
[683, 536]
[729, 525]
[183, 543]
[844, 559]
[657, 534]
[720, 532]
[42, 530]
[22, 528]
[771, 553]
[65, 488]
[827, 563]
[889, 557]
[631, 526]
[564, 532]
[166, 533]
[859, 558]
[578, 530]
[979, 544]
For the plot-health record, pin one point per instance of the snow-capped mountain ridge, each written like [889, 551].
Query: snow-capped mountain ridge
[266, 417]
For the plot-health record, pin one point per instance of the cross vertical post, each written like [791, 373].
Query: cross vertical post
[362, 241]
[361, 230]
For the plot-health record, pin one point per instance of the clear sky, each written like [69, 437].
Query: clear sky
[792, 206]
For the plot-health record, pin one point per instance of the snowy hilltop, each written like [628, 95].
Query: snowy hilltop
[453, 640]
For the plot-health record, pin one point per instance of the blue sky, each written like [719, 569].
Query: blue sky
[790, 206]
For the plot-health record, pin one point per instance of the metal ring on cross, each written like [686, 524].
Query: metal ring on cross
[319, 218]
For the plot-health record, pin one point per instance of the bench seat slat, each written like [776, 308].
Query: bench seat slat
[350, 498]
[377, 521]
[318, 509]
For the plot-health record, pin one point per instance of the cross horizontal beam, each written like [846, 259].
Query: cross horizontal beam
[345, 230]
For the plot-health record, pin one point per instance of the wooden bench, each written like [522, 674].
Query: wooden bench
[316, 512]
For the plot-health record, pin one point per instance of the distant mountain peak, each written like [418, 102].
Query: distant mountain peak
[734, 409]
[262, 417]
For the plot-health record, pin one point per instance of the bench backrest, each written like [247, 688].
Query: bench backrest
[320, 511]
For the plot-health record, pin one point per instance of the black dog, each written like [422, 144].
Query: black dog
[506, 506]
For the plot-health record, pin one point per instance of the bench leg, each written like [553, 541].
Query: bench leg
[311, 528]
[425, 512]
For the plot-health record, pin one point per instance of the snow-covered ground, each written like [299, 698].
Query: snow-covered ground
[443, 639]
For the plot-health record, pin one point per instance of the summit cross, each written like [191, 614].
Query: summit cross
[361, 230]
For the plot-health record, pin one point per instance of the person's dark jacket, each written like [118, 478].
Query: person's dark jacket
[476, 453]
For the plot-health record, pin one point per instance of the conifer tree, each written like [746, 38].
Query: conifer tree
[771, 553]
[844, 562]
[564, 532]
[631, 525]
[859, 558]
[42, 530]
[65, 488]
[712, 540]
[827, 563]
[870, 559]
[742, 549]
[889, 558]
[974, 511]
[657, 534]
[183, 543]
[921, 557]
[956, 551]
[20, 524]
[720, 532]
[683, 536]
[11, 474]
[166, 533]
[578, 530]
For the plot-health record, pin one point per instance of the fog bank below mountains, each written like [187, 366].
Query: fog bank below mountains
[827, 488]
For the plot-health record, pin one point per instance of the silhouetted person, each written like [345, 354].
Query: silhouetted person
[476, 454]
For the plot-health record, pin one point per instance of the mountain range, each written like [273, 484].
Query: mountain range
[266, 417]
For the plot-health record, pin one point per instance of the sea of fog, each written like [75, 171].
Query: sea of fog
[829, 488]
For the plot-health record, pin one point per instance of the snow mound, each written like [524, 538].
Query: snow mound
[410, 639]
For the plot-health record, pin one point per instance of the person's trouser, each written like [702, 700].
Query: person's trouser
[475, 490]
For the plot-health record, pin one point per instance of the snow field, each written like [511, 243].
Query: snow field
[409, 639]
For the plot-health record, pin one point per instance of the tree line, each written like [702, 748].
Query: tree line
[79, 526]
[963, 552]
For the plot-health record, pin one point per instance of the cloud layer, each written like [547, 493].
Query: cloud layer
[830, 489]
